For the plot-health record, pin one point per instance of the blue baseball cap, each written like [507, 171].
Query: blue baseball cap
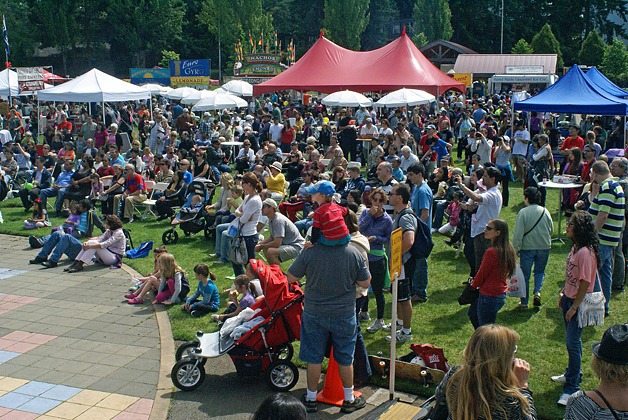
[323, 187]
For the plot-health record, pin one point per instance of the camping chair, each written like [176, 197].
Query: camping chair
[150, 201]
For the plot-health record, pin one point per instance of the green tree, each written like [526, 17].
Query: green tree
[345, 21]
[22, 38]
[378, 32]
[592, 50]
[544, 42]
[166, 56]
[615, 61]
[419, 39]
[433, 18]
[522, 47]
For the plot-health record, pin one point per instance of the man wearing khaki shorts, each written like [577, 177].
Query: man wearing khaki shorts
[285, 241]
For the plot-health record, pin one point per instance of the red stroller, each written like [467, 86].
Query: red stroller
[265, 349]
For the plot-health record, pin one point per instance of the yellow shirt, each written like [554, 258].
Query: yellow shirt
[276, 184]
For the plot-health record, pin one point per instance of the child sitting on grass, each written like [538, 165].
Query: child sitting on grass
[210, 301]
[39, 219]
[328, 225]
[244, 287]
[151, 280]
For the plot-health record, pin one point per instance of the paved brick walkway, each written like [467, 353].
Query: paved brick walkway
[70, 346]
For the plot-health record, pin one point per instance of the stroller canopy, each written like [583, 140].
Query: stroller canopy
[274, 282]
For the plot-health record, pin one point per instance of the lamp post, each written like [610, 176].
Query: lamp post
[501, 44]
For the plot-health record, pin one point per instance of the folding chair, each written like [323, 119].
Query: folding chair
[150, 201]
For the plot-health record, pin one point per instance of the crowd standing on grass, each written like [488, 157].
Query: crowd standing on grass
[445, 168]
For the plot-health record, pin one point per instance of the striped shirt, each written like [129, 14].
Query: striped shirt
[611, 200]
[329, 218]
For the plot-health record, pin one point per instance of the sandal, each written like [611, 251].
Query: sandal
[130, 296]
[135, 301]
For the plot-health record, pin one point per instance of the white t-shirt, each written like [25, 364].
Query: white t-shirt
[275, 132]
[488, 209]
[519, 147]
[365, 130]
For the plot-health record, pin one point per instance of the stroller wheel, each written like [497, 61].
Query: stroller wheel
[186, 351]
[284, 351]
[188, 374]
[282, 375]
[170, 237]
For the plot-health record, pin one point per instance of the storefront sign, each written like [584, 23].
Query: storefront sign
[524, 70]
[30, 79]
[466, 78]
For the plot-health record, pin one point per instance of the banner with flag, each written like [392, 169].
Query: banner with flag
[5, 35]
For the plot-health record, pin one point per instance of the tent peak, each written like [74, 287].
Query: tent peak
[403, 31]
[322, 33]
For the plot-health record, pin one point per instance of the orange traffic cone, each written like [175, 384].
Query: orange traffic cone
[333, 393]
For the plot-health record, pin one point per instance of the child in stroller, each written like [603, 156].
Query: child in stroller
[192, 217]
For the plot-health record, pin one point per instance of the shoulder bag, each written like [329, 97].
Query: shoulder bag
[591, 309]
[238, 253]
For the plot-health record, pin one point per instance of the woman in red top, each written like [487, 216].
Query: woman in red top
[498, 264]
[288, 135]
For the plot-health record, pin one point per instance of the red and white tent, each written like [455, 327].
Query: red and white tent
[328, 68]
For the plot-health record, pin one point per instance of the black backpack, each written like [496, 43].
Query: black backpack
[4, 189]
[423, 243]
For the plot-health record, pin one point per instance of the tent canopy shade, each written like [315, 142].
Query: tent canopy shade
[196, 96]
[180, 93]
[8, 83]
[574, 94]
[238, 88]
[327, 68]
[405, 97]
[220, 101]
[346, 98]
[94, 86]
[602, 81]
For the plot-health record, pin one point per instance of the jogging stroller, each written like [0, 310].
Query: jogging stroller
[266, 349]
[191, 220]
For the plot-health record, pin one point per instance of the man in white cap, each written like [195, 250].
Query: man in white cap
[275, 183]
[205, 126]
[284, 242]
[368, 130]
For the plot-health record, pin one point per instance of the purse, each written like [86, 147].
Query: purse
[591, 309]
[238, 253]
[469, 295]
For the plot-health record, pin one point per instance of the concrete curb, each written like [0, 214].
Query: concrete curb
[163, 396]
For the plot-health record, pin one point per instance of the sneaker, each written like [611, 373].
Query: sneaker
[523, 306]
[559, 379]
[37, 260]
[310, 406]
[563, 399]
[215, 317]
[537, 299]
[418, 299]
[35, 242]
[400, 336]
[378, 324]
[364, 317]
[350, 407]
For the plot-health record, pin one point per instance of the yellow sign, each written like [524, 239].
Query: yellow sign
[396, 253]
[466, 78]
[179, 81]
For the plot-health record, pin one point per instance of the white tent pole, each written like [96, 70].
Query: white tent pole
[103, 114]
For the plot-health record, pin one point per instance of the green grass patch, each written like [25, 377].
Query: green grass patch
[440, 321]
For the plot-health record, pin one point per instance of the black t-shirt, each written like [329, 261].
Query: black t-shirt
[347, 133]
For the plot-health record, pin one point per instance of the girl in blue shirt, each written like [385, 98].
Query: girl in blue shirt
[210, 301]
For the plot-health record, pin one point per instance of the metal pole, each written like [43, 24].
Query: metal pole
[393, 339]
[501, 45]
[219, 63]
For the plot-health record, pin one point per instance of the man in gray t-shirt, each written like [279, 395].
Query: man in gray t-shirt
[331, 273]
[285, 241]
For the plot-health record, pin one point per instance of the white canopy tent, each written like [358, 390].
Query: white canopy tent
[180, 93]
[219, 101]
[94, 86]
[238, 88]
[8, 83]
[196, 96]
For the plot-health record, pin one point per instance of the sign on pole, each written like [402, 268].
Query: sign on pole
[193, 73]
[30, 79]
[396, 254]
[396, 266]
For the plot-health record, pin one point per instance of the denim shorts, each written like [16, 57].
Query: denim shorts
[316, 330]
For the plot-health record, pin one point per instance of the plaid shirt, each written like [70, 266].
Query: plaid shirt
[205, 127]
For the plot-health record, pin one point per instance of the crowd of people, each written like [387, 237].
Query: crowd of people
[331, 185]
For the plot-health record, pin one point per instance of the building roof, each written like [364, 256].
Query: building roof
[496, 63]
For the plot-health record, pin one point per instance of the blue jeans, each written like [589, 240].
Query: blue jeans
[439, 212]
[316, 330]
[538, 257]
[484, 310]
[250, 242]
[59, 243]
[573, 374]
[219, 169]
[222, 242]
[605, 271]
[419, 278]
[51, 192]
[303, 225]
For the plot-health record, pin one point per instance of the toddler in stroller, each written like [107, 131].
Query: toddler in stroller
[192, 217]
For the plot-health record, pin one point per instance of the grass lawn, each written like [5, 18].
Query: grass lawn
[440, 321]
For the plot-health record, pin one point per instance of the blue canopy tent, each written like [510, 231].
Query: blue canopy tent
[574, 93]
[602, 81]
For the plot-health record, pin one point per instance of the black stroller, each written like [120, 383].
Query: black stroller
[192, 217]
